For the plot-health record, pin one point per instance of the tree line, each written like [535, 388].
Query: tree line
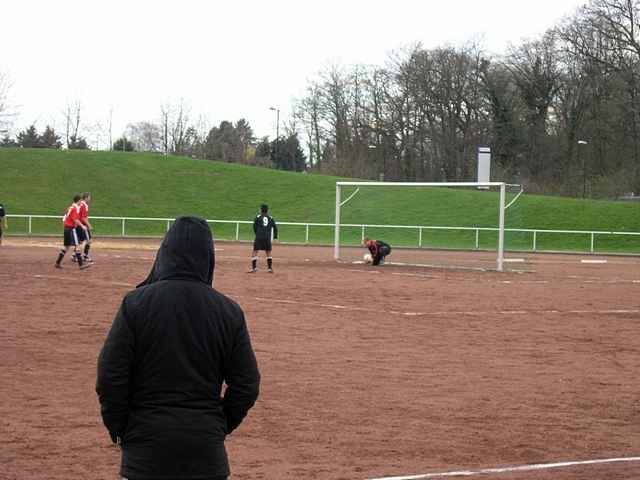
[561, 113]
[228, 142]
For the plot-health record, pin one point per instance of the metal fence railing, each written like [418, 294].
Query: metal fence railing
[308, 233]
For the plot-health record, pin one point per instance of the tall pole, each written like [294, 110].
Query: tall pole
[336, 242]
[501, 228]
[584, 168]
[277, 110]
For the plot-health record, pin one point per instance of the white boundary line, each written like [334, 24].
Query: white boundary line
[619, 311]
[518, 468]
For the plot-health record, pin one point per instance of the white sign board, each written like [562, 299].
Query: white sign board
[484, 164]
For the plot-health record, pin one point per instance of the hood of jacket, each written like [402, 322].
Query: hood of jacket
[187, 252]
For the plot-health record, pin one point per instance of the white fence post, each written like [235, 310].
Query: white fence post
[477, 238]
[30, 229]
[534, 241]
[237, 231]
[362, 235]
[593, 236]
[306, 234]
[123, 220]
[168, 225]
[420, 237]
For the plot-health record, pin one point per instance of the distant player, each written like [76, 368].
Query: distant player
[3, 221]
[265, 229]
[84, 234]
[71, 220]
[378, 250]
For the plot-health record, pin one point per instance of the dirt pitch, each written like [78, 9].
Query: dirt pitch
[367, 372]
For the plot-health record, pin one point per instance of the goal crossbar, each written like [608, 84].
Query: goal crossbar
[421, 184]
[500, 185]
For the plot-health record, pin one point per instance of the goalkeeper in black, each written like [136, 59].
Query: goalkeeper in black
[378, 250]
[266, 230]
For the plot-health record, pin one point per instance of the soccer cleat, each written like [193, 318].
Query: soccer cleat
[270, 270]
[88, 259]
[253, 270]
[85, 265]
[57, 265]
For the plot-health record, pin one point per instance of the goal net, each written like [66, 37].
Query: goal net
[442, 224]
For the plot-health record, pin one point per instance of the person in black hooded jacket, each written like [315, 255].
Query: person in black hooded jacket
[173, 343]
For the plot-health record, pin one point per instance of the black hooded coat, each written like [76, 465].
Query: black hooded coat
[173, 343]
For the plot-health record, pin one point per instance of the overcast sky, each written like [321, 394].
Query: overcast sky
[227, 60]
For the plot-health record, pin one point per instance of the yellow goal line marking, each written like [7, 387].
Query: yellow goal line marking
[518, 468]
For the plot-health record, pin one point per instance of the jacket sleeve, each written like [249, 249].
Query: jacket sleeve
[114, 371]
[255, 225]
[275, 229]
[242, 378]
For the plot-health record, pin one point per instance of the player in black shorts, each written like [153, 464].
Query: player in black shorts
[3, 221]
[266, 230]
[70, 221]
[84, 230]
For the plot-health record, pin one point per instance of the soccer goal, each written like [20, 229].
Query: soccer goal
[448, 224]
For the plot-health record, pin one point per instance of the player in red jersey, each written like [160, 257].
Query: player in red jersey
[71, 220]
[84, 234]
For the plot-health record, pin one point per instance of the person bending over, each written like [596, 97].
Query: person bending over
[378, 250]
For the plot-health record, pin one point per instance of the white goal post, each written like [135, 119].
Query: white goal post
[500, 185]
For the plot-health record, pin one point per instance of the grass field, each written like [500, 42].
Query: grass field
[150, 185]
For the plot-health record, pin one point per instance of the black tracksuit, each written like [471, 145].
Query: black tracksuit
[264, 226]
[173, 343]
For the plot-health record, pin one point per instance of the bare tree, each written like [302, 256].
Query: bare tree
[607, 33]
[72, 121]
[166, 112]
[145, 136]
[110, 122]
[6, 112]
[179, 128]
[535, 68]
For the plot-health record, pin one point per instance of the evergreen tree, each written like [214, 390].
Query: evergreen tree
[49, 139]
[123, 145]
[8, 142]
[78, 143]
[28, 138]
[288, 155]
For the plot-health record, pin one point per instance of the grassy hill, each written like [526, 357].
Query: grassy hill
[149, 185]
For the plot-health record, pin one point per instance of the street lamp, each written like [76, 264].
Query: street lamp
[277, 110]
[584, 168]
[377, 150]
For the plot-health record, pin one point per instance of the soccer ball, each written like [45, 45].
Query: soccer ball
[367, 258]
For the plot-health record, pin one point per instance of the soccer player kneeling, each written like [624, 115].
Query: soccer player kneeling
[378, 250]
